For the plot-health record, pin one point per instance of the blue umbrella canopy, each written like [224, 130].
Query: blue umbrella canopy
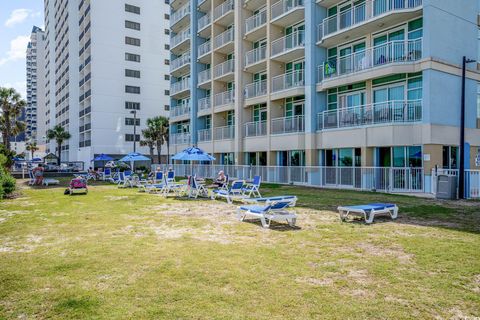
[37, 160]
[102, 157]
[193, 154]
[134, 156]
[18, 159]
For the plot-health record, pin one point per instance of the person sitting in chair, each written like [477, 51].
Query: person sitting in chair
[38, 174]
[220, 180]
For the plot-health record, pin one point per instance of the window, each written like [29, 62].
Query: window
[167, 32]
[132, 41]
[132, 25]
[132, 105]
[450, 157]
[167, 92]
[167, 62]
[132, 121]
[132, 89]
[132, 9]
[167, 16]
[166, 107]
[129, 137]
[478, 101]
[167, 77]
[132, 57]
[167, 47]
[132, 73]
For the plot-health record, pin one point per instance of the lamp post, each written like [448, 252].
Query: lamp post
[134, 112]
[461, 173]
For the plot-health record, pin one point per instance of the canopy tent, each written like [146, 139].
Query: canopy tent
[103, 158]
[134, 157]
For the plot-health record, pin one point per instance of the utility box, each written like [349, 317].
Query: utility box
[446, 187]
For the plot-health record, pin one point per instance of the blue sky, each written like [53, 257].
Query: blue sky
[17, 17]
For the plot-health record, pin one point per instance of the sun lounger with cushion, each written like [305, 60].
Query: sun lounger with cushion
[235, 192]
[369, 211]
[273, 211]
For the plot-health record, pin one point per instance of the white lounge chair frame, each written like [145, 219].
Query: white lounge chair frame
[368, 215]
[270, 214]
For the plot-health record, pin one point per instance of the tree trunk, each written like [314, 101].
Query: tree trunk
[59, 161]
[32, 151]
[168, 151]
[159, 151]
[151, 151]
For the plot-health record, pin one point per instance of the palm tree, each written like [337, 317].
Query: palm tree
[11, 105]
[32, 147]
[167, 140]
[149, 140]
[60, 135]
[159, 127]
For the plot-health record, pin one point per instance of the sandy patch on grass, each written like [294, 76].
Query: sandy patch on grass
[386, 251]
[116, 198]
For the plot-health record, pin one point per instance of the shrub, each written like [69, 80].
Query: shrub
[7, 182]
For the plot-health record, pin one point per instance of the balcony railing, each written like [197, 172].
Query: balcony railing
[255, 55]
[204, 21]
[179, 14]
[389, 112]
[223, 9]
[179, 86]
[180, 37]
[288, 125]
[224, 68]
[225, 133]
[204, 76]
[180, 110]
[361, 13]
[380, 55]
[289, 42]
[255, 129]
[224, 38]
[256, 21]
[224, 98]
[180, 138]
[283, 6]
[204, 48]
[204, 103]
[180, 61]
[204, 135]
[256, 89]
[293, 79]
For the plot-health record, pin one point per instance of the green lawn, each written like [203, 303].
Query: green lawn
[120, 254]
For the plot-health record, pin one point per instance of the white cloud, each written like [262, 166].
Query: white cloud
[20, 86]
[18, 48]
[18, 16]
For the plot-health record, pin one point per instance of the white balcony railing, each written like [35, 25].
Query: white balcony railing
[180, 110]
[204, 104]
[256, 89]
[224, 38]
[180, 37]
[361, 13]
[204, 76]
[224, 68]
[380, 55]
[293, 79]
[180, 86]
[204, 48]
[179, 14]
[179, 62]
[256, 21]
[255, 55]
[204, 135]
[292, 41]
[283, 6]
[223, 9]
[204, 21]
[255, 129]
[224, 98]
[288, 125]
[180, 138]
[389, 112]
[225, 133]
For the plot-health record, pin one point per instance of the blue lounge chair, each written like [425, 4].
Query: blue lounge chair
[107, 174]
[195, 189]
[262, 201]
[171, 176]
[253, 189]
[235, 192]
[273, 211]
[155, 186]
[368, 211]
[171, 186]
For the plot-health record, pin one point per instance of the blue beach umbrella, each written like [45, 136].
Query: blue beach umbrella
[102, 157]
[193, 154]
[134, 157]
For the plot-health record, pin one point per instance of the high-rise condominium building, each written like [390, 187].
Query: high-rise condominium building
[35, 109]
[367, 83]
[107, 72]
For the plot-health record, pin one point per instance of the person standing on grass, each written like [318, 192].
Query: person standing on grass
[38, 174]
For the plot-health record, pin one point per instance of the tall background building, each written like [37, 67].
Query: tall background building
[341, 84]
[106, 60]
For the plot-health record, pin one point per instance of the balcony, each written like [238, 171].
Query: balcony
[224, 71]
[180, 88]
[288, 84]
[254, 26]
[225, 133]
[287, 12]
[204, 77]
[204, 106]
[180, 110]
[389, 112]
[223, 14]
[289, 48]
[224, 101]
[204, 135]
[255, 60]
[180, 138]
[203, 50]
[381, 59]
[224, 41]
[255, 129]
[180, 65]
[203, 23]
[180, 18]
[365, 18]
[180, 42]
[286, 125]
[255, 90]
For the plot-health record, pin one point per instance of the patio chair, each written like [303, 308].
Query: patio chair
[273, 211]
[369, 211]
[172, 186]
[50, 181]
[107, 174]
[31, 178]
[263, 201]
[196, 189]
[253, 189]
[235, 192]
[171, 176]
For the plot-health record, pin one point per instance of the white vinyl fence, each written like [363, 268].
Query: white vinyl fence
[472, 181]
